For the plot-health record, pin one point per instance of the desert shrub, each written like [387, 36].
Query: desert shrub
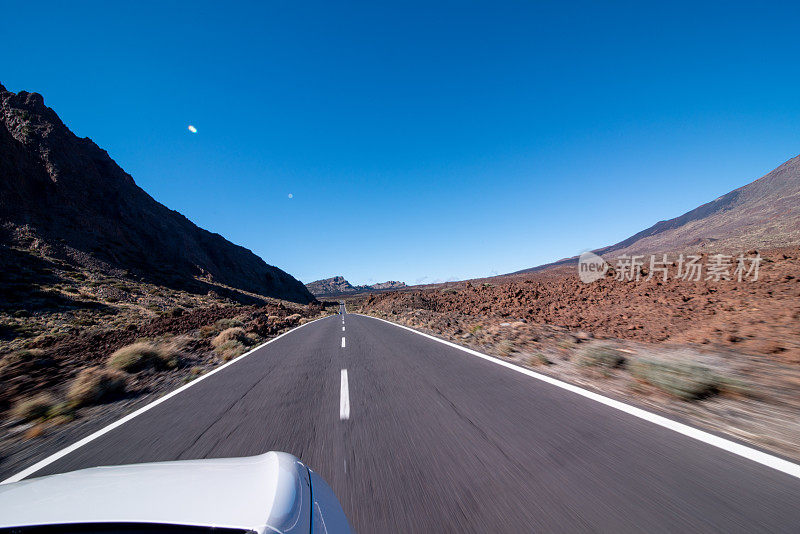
[505, 348]
[606, 357]
[194, 373]
[230, 334]
[175, 346]
[36, 407]
[683, 379]
[230, 349]
[208, 330]
[539, 358]
[61, 412]
[143, 355]
[22, 356]
[224, 324]
[95, 384]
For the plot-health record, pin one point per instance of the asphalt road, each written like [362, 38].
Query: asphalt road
[433, 439]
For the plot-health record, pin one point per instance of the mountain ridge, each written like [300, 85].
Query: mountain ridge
[66, 197]
[337, 285]
[762, 214]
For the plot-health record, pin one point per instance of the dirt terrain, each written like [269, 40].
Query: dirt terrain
[723, 354]
[108, 297]
[80, 345]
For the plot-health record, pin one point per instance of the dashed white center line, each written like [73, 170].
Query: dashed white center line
[342, 341]
[344, 398]
[342, 329]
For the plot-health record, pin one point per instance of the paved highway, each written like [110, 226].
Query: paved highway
[417, 436]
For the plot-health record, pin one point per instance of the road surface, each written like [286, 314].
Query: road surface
[417, 436]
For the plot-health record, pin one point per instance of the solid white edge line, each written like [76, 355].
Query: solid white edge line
[91, 437]
[344, 398]
[738, 449]
[342, 341]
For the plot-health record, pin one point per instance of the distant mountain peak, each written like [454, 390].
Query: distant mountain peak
[337, 285]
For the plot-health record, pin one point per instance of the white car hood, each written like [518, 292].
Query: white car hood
[262, 493]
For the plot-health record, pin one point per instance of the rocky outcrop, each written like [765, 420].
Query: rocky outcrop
[337, 285]
[391, 284]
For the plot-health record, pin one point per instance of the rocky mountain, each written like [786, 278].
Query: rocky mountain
[390, 285]
[762, 214]
[65, 197]
[337, 285]
[330, 286]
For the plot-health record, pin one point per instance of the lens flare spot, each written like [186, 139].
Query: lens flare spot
[192, 129]
[291, 195]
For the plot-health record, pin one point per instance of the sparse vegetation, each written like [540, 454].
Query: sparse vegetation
[505, 348]
[224, 324]
[683, 379]
[21, 356]
[94, 385]
[605, 357]
[143, 355]
[539, 358]
[36, 407]
[208, 331]
[194, 373]
[230, 334]
[230, 349]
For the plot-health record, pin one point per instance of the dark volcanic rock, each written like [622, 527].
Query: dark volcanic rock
[66, 196]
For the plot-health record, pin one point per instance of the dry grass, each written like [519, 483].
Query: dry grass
[20, 357]
[96, 384]
[144, 355]
[230, 349]
[230, 334]
[602, 357]
[683, 379]
[36, 407]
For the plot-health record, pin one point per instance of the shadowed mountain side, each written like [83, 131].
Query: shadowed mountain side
[66, 197]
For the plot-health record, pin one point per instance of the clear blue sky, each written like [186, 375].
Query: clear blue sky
[420, 143]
